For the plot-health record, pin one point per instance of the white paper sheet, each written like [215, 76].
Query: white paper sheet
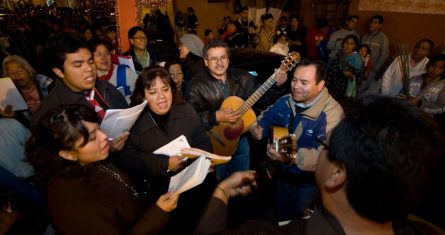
[191, 176]
[9, 95]
[174, 147]
[117, 121]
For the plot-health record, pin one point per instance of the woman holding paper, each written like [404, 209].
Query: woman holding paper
[32, 86]
[167, 116]
[85, 193]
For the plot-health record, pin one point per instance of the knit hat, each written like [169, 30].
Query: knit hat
[193, 43]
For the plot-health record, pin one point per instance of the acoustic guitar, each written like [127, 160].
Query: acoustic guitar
[225, 136]
[284, 143]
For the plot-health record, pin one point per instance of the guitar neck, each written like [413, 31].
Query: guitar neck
[257, 95]
[287, 64]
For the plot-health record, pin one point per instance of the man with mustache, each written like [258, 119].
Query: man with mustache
[208, 90]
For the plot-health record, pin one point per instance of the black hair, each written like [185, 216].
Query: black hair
[350, 17]
[320, 66]
[59, 129]
[95, 42]
[365, 46]
[133, 30]
[389, 149]
[213, 44]
[172, 62]
[278, 35]
[429, 41]
[379, 18]
[207, 32]
[354, 38]
[434, 59]
[59, 45]
[236, 24]
[266, 16]
[297, 17]
[146, 80]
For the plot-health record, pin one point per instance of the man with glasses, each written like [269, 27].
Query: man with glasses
[121, 76]
[309, 112]
[208, 90]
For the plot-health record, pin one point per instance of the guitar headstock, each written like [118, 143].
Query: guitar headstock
[290, 61]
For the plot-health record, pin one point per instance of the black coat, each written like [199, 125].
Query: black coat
[137, 158]
[206, 95]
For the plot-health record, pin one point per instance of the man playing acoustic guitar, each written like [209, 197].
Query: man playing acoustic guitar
[207, 92]
[310, 113]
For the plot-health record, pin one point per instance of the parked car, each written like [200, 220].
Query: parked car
[261, 65]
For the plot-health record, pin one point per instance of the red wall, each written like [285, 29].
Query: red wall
[127, 19]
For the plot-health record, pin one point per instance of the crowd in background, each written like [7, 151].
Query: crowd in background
[169, 58]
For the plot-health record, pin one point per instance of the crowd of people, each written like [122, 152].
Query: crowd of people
[367, 132]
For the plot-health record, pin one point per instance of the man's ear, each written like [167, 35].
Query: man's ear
[68, 155]
[320, 85]
[58, 72]
[336, 177]
[206, 63]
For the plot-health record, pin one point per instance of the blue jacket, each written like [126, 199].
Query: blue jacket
[315, 122]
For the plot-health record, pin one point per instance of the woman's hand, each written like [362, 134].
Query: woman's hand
[175, 163]
[7, 112]
[168, 201]
[118, 143]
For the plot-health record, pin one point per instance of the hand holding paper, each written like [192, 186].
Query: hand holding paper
[190, 177]
[10, 95]
[174, 147]
[195, 152]
[118, 121]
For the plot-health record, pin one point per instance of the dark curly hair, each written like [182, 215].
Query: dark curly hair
[60, 129]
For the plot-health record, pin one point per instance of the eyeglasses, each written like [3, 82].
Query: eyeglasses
[140, 38]
[102, 53]
[222, 59]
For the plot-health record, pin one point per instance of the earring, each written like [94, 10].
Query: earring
[75, 157]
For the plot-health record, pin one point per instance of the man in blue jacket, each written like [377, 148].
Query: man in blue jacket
[310, 113]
